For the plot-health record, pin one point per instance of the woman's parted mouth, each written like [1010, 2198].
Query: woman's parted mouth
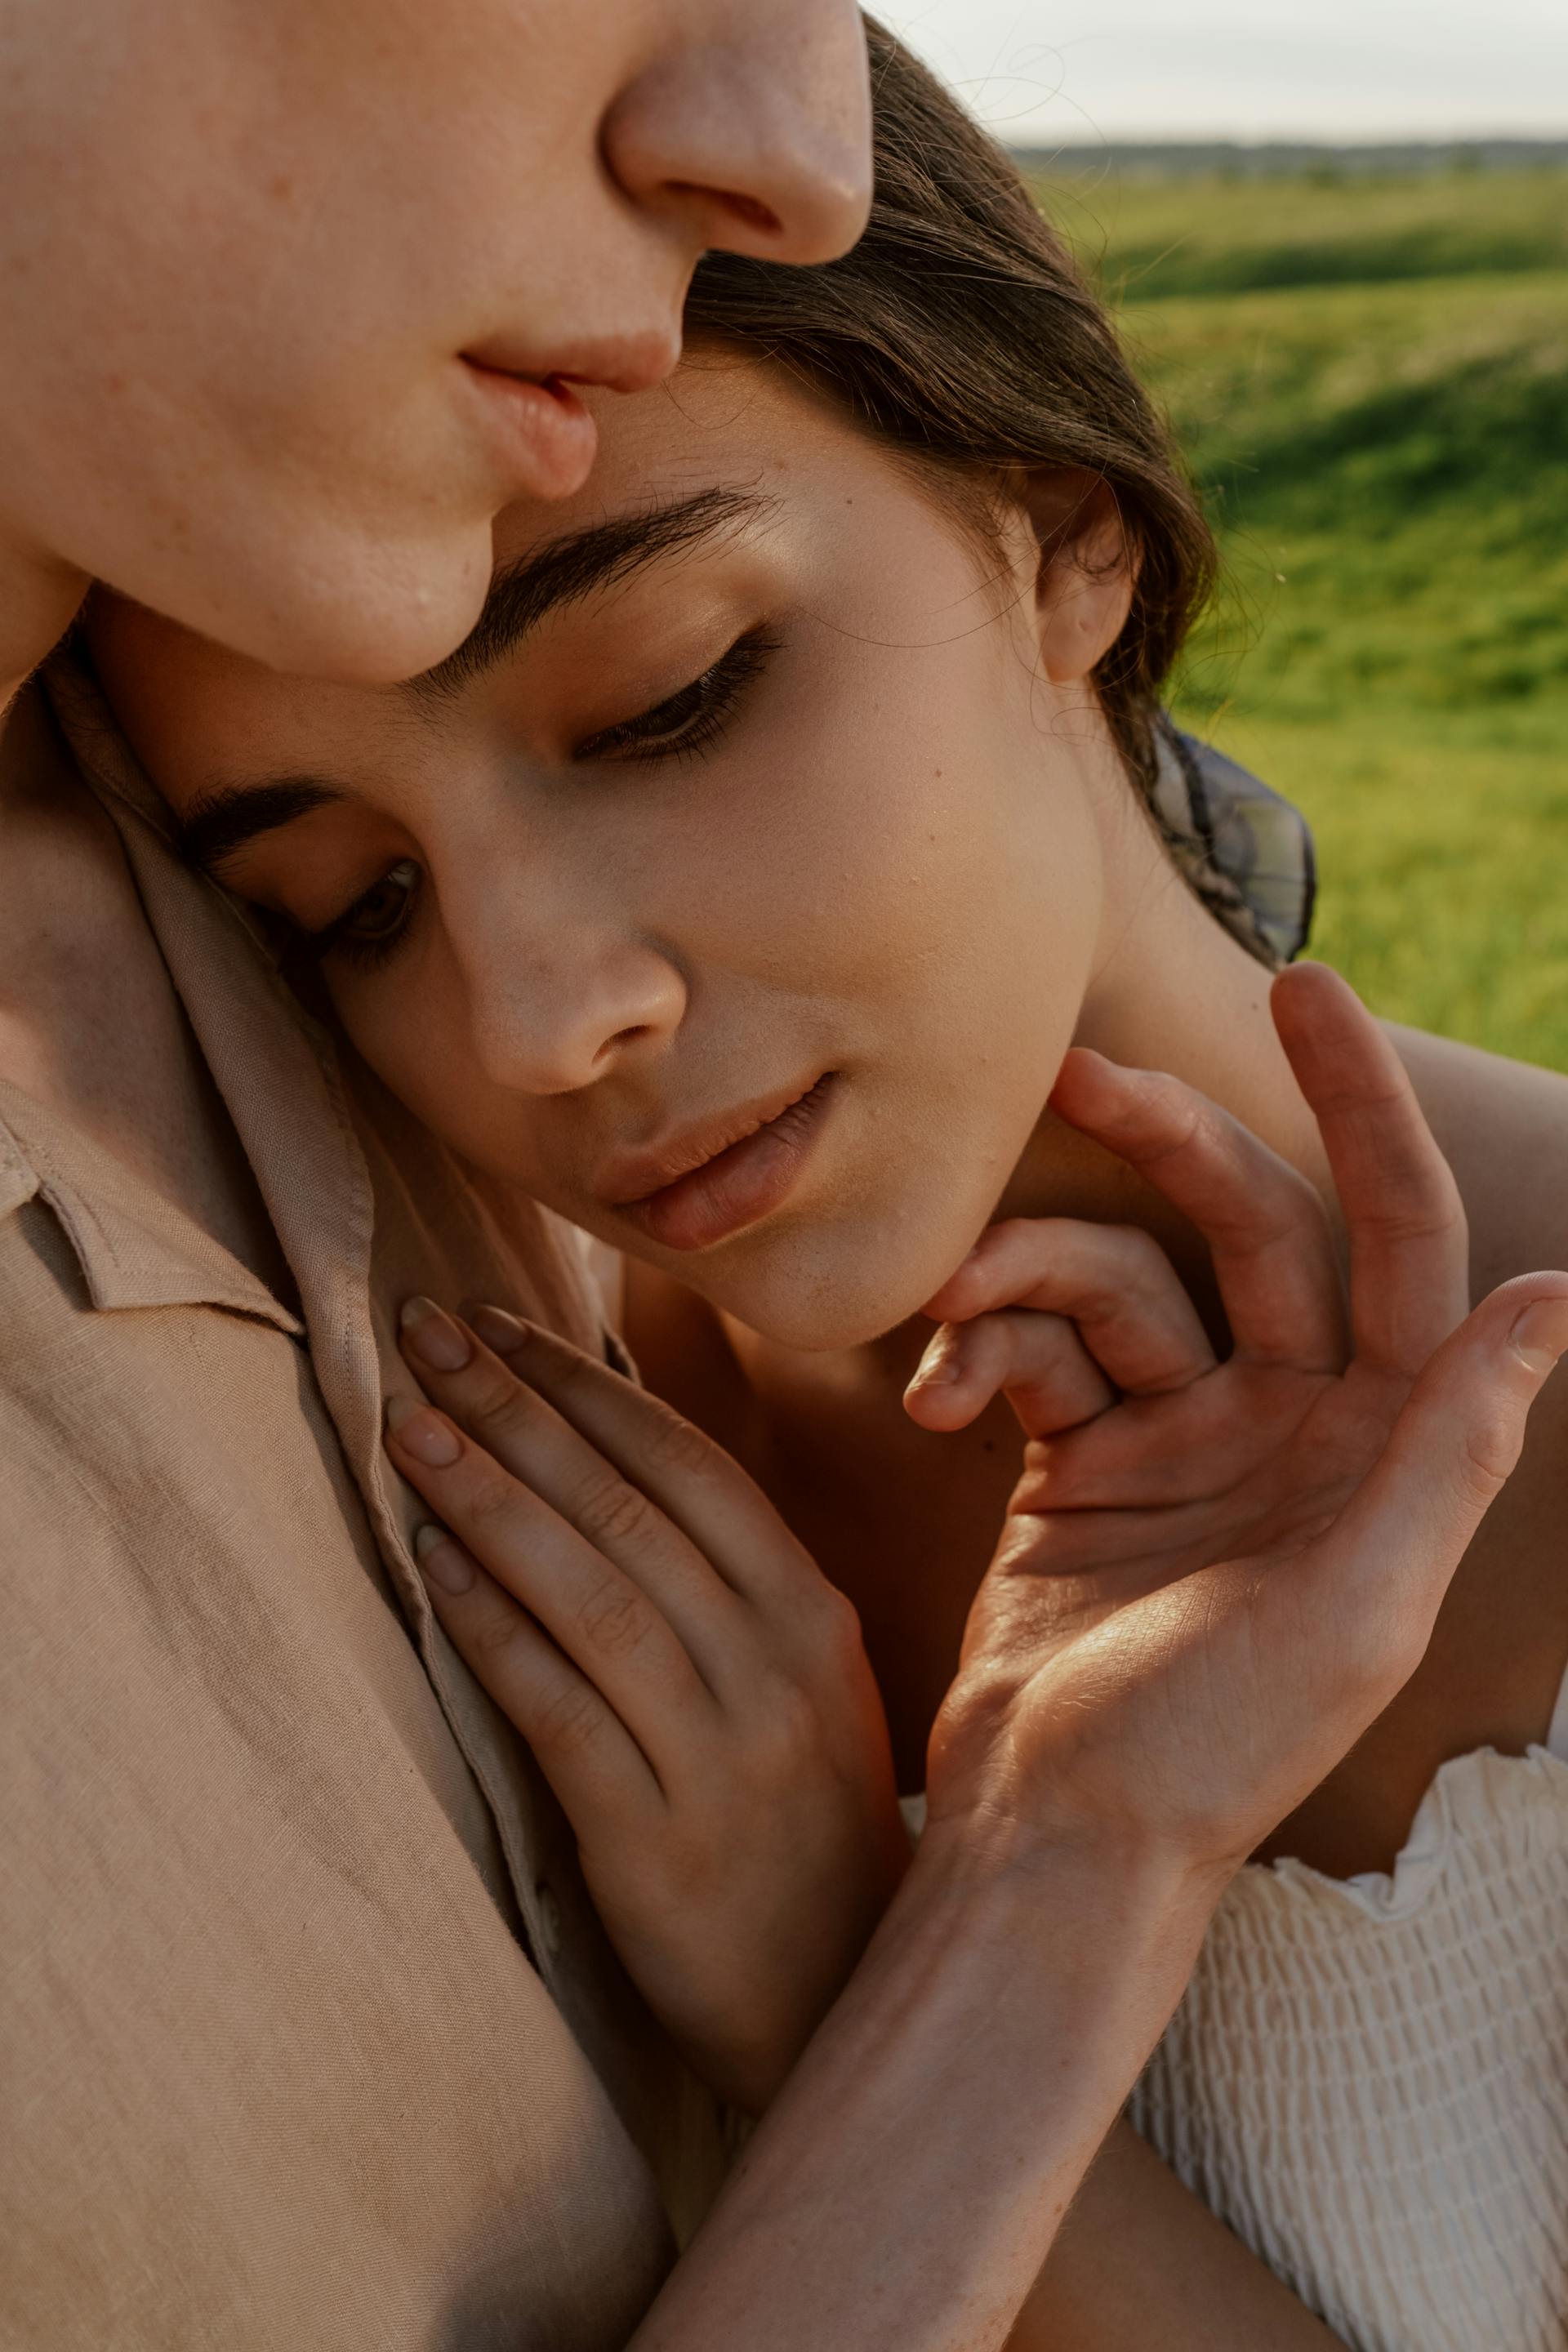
[711, 1181]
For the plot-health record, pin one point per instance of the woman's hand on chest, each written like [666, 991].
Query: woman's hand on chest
[694, 1690]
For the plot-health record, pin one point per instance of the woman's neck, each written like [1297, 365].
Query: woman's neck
[1173, 991]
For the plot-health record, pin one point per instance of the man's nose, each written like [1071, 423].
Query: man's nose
[547, 1019]
[754, 128]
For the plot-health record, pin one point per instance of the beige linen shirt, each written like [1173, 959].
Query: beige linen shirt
[312, 2039]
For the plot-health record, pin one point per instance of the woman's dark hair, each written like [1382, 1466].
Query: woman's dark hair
[959, 329]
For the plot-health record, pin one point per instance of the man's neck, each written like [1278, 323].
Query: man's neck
[91, 1026]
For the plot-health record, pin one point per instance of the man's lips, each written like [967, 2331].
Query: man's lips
[542, 435]
[710, 1182]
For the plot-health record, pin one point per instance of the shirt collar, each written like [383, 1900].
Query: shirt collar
[367, 1206]
[135, 1247]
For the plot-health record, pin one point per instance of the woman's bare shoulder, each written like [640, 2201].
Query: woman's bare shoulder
[1493, 1674]
[1503, 1127]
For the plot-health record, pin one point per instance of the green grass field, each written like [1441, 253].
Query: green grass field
[1371, 381]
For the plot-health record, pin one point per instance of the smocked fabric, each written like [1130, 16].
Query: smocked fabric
[1368, 2079]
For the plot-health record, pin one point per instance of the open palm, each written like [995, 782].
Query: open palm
[1214, 1574]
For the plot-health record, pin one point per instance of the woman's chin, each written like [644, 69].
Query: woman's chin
[825, 1309]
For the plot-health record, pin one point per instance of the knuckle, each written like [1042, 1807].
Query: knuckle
[674, 1444]
[1143, 1266]
[615, 1619]
[1006, 1240]
[1292, 1204]
[787, 1729]
[568, 1370]
[1412, 1216]
[495, 1405]
[609, 1512]
[568, 1721]
[489, 1508]
[1487, 1460]
[835, 1627]
[500, 1637]
[1170, 1113]
[1416, 1201]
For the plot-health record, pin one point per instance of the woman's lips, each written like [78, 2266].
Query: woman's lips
[542, 435]
[739, 1185]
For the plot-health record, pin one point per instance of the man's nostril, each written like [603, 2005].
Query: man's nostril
[748, 210]
[622, 1037]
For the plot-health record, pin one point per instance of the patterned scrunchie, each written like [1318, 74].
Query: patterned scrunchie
[1245, 851]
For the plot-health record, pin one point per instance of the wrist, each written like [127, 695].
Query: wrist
[948, 2108]
[1137, 1906]
[943, 2117]
[1046, 1831]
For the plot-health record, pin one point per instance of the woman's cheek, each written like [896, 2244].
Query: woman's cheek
[416, 1041]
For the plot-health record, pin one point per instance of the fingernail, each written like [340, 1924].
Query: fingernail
[1541, 1334]
[503, 1332]
[433, 1336]
[422, 1433]
[441, 1561]
[937, 1368]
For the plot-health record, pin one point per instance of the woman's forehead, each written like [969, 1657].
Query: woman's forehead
[724, 419]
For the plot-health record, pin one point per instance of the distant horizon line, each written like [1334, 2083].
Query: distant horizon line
[1309, 139]
[1545, 143]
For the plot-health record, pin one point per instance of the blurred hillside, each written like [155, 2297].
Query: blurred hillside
[1265, 158]
[1369, 373]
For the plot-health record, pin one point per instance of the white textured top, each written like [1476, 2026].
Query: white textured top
[1368, 2078]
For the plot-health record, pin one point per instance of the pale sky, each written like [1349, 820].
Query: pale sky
[1041, 72]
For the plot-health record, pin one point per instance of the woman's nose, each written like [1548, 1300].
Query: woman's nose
[549, 1022]
[754, 129]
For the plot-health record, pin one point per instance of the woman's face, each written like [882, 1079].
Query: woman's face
[735, 889]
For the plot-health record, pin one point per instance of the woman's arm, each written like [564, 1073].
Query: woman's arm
[1144, 1690]
[1140, 2260]
[738, 1890]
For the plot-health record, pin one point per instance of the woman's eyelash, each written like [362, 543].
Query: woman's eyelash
[683, 725]
[679, 728]
[367, 950]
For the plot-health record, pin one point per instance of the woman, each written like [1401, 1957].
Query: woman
[741, 889]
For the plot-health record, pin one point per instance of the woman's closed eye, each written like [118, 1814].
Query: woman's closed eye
[680, 727]
[685, 723]
[366, 932]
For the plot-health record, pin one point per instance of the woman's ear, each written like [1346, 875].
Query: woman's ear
[1088, 568]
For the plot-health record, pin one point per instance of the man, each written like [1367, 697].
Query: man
[312, 2038]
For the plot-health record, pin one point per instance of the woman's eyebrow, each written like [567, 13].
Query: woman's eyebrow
[226, 817]
[578, 565]
[220, 821]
